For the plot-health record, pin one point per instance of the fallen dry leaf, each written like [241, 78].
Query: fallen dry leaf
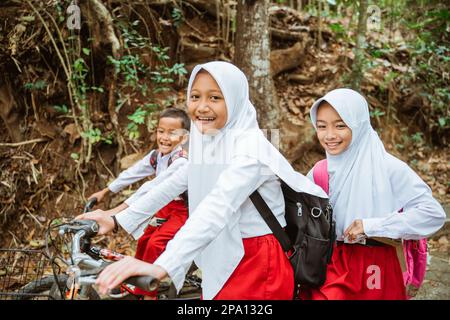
[129, 160]
[72, 131]
[37, 243]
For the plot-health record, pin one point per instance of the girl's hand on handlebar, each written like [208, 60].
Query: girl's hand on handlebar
[113, 275]
[105, 222]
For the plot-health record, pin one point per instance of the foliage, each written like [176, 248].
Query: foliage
[430, 65]
[133, 74]
[177, 16]
[425, 26]
[38, 85]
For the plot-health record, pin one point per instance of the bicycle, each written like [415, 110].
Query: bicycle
[83, 264]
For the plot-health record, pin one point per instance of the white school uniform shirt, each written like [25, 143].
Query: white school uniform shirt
[368, 183]
[143, 169]
[230, 197]
[421, 216]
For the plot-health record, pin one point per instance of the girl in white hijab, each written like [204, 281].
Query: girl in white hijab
[367, 187]
[229, 158]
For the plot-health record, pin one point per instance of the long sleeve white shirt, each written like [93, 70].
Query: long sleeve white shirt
[163, 175]
[421, 216]
[229, 197]
[143, 169]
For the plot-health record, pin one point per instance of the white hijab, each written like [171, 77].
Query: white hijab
[360, 185]
[210, 155]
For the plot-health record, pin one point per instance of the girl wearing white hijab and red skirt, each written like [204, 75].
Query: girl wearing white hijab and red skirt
[368, 188]
[229, 158]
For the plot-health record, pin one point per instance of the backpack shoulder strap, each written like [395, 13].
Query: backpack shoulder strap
[271, 221]
[180, 154]
[154, 159]
[320, 174]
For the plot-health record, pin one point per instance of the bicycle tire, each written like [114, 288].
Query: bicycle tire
[39, 287]
[91, 294]
[191, 290]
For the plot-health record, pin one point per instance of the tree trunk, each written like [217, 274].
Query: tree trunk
[358, 64]
[104, 19]
[252, 55]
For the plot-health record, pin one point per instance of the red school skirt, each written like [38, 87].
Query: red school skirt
[154, 240]
[264, 273]
[360, 272]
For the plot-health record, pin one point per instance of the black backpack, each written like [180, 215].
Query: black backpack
[309, 234]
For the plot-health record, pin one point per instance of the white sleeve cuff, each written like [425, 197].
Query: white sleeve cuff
[173, 267]
[113, 187]
[373, 227]
[126, 222]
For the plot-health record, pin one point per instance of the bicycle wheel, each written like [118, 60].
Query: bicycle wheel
[48, 287]
[191, 290]
[44, 288]
[89, 291]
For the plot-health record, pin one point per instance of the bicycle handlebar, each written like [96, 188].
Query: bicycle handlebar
[90, 204]
[147, 283]
[90, 227]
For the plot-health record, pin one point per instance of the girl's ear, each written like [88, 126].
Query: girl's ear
[185, 139]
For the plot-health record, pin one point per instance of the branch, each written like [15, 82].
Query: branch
[285, 59]
[17, 144]
[287, 35]
[104, 16]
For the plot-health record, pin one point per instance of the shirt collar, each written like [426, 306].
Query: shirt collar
[174, 151]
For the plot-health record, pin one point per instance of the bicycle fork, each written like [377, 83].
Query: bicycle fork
[78, 285]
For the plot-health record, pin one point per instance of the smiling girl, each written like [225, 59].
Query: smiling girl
[229, 158]
[367, 187]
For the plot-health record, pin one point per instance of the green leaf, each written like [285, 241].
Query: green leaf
[61, 108]
[138, 116]
[75, 156]
[37, 243]
[38, 85]
[86, 51]
[99, 89]
[28, 18]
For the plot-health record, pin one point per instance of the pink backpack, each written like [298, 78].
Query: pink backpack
[415, 250]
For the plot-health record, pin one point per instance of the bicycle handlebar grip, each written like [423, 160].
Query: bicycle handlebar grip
[90, 204]
[147, 283]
